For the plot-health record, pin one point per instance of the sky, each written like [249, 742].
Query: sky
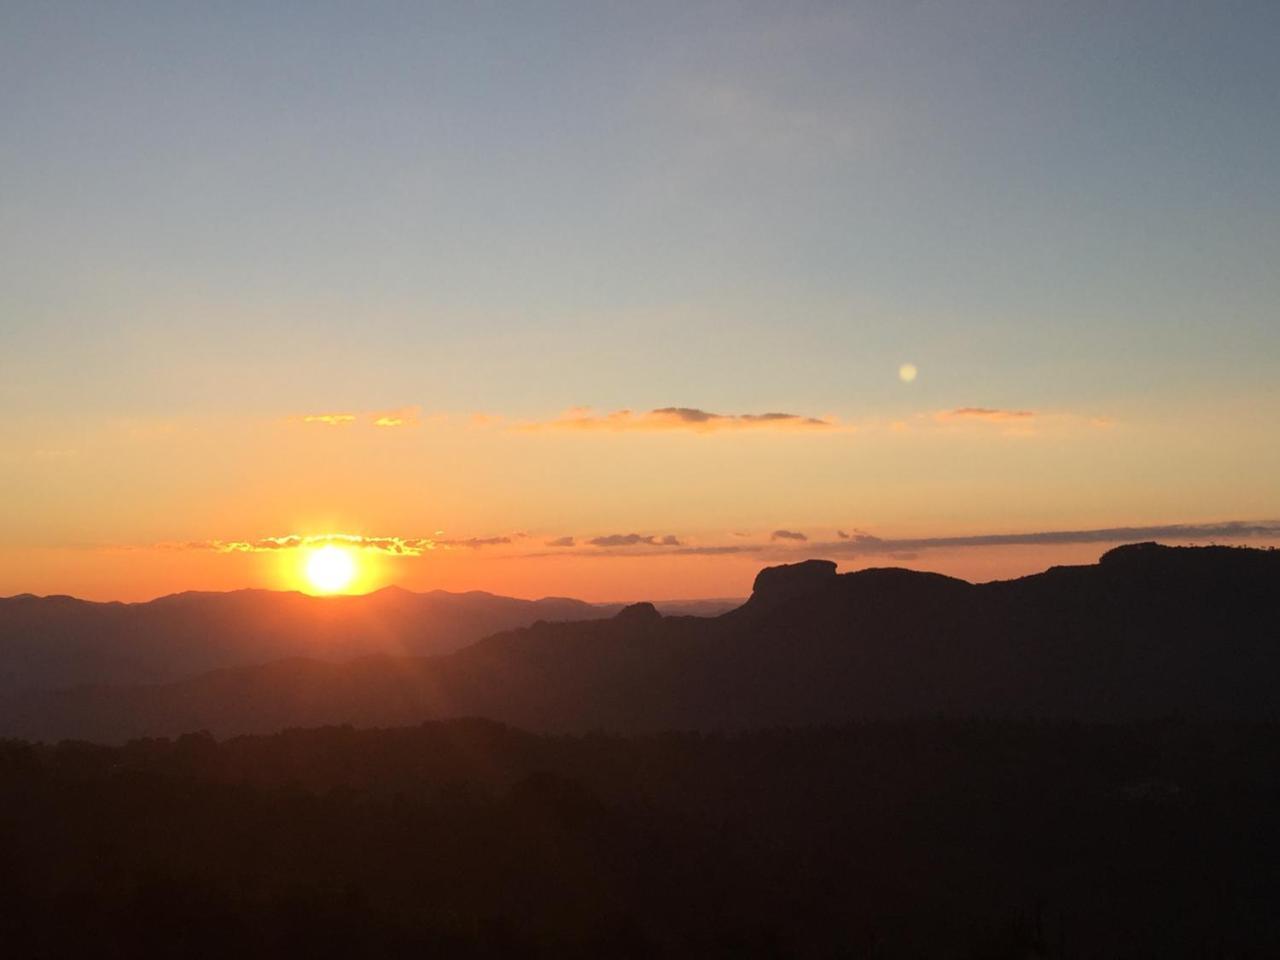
[626, 301]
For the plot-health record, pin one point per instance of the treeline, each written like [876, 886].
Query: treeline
[467, 838]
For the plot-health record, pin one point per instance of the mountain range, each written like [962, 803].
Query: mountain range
[60, 641]
[1149, 631]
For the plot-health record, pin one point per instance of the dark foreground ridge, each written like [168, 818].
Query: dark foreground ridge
[1001, 840]
[1148, 632]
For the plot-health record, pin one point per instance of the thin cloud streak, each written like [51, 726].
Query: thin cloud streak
[634, 540]
[399, 546]
[684, 550]
[680, 418]
[984, 415]
[393, 546]
[330, 419]
[385, 419]
[860, 544]
[866, 544]
[474, 543]
[405, 417]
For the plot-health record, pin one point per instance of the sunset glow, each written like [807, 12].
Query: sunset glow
[331, 569]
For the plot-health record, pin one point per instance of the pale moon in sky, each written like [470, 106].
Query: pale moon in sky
[907, 372]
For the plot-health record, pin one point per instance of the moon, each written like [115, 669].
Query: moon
[907, 372]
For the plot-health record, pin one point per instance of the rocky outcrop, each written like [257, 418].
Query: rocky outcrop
[638, 613]
[775, 585]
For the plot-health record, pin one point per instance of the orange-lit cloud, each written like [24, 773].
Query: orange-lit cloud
[680, 418]
[401, 546]
[634, 540]
[788, 535]
[394, 546]
[1013, 422]
[984, 415]
[561, 542]
[399, 417]
[405, 417]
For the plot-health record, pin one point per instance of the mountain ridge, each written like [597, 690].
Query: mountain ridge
[1148, 633]
[57, 641]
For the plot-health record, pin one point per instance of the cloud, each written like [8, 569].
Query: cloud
[658, 549]
[404, 417]
[474, 542]
[330, 419]
[866, 544]
[1012, 422]
[399, 546]
[984, 415]
[846, 535]
[634, 540]
[393, 546]
[399, 417]
[783, 545]
[680, 418]
[859, 544]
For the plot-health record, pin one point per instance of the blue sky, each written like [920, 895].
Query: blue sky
[772, 206]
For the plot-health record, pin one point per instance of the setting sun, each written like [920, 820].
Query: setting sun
[331, 569]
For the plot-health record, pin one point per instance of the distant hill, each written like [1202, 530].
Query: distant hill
[48, 642]
[1149, 631]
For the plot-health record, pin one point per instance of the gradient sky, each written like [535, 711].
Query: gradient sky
[496, 227]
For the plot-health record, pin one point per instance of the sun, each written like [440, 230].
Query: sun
[331, 569]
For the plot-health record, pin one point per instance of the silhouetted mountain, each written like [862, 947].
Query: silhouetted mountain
[58, 641]
[1149, 631]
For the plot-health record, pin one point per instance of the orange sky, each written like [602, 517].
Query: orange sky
[621, 508]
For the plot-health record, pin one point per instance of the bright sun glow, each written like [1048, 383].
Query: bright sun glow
[331, 569]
